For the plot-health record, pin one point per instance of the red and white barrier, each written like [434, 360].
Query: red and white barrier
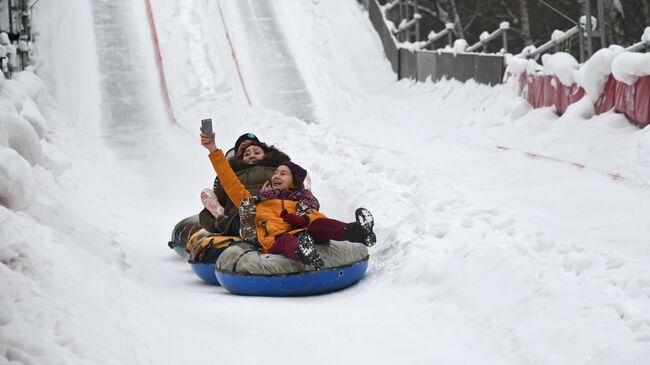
[631, 100]
[626, 89]
[547, 90]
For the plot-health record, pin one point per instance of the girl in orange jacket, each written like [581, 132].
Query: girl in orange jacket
[287, 219]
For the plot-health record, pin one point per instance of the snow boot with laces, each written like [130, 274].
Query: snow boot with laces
[247, 213]
[210, 202]
[306, 251]
[361, 230]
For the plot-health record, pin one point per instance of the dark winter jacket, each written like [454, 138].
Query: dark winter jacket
[252, 177]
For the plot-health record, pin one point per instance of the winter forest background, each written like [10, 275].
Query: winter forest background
[533, 21]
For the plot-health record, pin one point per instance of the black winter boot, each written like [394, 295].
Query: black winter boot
[361, 230]
[306, 251]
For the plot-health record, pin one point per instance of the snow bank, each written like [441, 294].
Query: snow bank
[19, 135]
[460, 45]
[22, 137]
[590, 77]
[57, 252]
[517, 65]
[627, 67]
[562, 65]
[17, 184]
[23, 133]
[593, 74]
[646, 35]
[56, 246]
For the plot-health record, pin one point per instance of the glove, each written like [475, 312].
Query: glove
[297, 221]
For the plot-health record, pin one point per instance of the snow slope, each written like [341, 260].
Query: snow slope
[484, 256]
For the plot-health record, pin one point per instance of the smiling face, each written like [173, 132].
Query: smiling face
[243, 146]
[282, 178]
[253, 153]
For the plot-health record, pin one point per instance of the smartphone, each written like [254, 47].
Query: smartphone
[206, 127]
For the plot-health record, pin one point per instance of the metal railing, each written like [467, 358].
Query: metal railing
[16, 40]
[447, 32]
[557, 38]
[409, 26]
[643, 45]
[411, 61]
[585, 29]
[486, 38]
[406, 25]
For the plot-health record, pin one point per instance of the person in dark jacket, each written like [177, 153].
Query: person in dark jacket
[238, 144]
[254, 163]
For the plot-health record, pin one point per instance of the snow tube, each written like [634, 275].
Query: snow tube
[243, 270]
[205, 272]
[182, 233]
[204, 250]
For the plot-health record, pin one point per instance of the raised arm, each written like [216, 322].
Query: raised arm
[234, 188]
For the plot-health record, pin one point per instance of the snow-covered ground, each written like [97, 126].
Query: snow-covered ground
[485, 255]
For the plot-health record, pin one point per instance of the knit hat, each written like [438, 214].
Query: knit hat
[245, 137]
[297, 172]
[245, 144]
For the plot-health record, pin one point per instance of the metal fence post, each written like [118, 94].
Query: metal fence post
[400, 6]
[590, 49]
[504, 26]
[405, 34]
[9, 11]
[417, 17]
[581, 43]
[601, 25]
[25, 21]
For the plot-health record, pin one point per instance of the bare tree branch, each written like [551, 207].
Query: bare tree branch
[475, 13]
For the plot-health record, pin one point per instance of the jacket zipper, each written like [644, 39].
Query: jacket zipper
[266, 232]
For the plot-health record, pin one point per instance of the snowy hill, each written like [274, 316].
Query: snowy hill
[484, 255]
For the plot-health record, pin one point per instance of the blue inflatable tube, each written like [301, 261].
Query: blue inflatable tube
[206, 272]
[204, 253]
[294, 284]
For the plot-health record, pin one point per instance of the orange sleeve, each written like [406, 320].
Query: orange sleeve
[234, 188]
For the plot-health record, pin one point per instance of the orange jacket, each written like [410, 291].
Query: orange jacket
[268, 222]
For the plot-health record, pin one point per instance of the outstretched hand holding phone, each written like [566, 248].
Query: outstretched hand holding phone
[207, 135]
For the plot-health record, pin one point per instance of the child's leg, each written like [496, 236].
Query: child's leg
[326, 229]
[286, 244]
[299, 248]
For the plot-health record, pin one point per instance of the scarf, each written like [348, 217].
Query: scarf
[303, 195]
